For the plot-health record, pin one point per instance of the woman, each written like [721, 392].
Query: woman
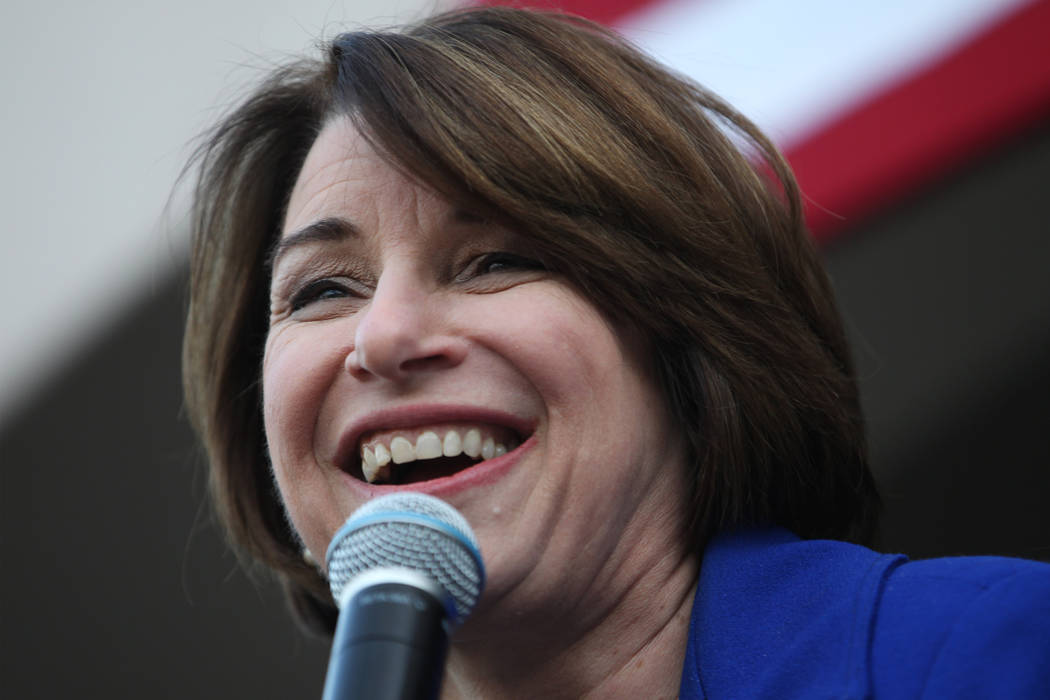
[503, 258]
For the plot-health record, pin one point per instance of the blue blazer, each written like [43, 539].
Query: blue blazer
[779, 617]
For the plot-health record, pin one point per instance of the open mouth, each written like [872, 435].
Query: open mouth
[408, 456]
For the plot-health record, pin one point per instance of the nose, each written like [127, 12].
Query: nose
[404, 332]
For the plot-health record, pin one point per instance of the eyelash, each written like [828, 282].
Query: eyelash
[315, 291]
[486, 264]
[509, 261]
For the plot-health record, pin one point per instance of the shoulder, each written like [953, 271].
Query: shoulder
[776, 616]
[963, 627]
[780, 617]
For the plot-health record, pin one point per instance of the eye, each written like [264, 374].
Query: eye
[319, 290]
[499, 262]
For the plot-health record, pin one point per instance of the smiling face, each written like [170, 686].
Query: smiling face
[403, 330]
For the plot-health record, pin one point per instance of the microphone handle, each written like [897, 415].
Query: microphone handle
[390, 644]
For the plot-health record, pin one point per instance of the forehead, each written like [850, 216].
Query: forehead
[342, 172]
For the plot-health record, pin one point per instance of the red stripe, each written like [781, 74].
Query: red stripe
[961, 106]
[605, 12]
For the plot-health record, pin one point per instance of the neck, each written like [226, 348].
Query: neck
[631, 646]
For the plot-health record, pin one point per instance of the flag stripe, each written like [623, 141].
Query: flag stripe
[929, 123]
[870, 101]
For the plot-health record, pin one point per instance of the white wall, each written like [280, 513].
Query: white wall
[101, 102]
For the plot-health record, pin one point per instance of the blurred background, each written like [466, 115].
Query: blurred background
[920, 131]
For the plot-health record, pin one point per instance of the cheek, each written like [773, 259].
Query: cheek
[299, 367]
[558, 341]
[296, 375]
[594, 382]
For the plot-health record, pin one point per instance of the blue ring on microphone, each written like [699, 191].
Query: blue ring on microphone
[356, 523]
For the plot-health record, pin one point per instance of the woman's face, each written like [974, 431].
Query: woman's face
[401, 324]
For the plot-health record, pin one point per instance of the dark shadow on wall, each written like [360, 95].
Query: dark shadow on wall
[116, 582]
[947, 299]
[980, 485]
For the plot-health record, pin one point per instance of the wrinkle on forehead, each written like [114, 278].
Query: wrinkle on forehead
[343, 172]
[337, 145]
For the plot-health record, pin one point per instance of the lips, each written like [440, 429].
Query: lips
[415, 445]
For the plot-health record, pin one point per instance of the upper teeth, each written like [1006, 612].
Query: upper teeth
[378, 453]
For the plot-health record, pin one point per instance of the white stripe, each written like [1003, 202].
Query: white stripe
[792, 66]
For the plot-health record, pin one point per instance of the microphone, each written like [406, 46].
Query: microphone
[405, 571]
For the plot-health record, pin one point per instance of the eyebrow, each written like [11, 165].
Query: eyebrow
[325, 230]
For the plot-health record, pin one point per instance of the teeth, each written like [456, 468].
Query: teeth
[453, 445]
[428, 446]
[472, 442]
[374, 464]
[368, 464]
[401, 450]
[376, 456]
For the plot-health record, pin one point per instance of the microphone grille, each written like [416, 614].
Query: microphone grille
[413, 531]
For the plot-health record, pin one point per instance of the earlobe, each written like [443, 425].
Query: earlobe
[309, 558]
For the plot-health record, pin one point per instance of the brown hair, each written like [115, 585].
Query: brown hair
[631, 183]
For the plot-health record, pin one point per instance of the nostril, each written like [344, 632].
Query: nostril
[431, 362]
[354, 363]
[405, 357]
[400, 334]
[351, 358]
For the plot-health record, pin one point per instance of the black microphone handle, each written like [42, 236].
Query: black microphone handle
[390, 641]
